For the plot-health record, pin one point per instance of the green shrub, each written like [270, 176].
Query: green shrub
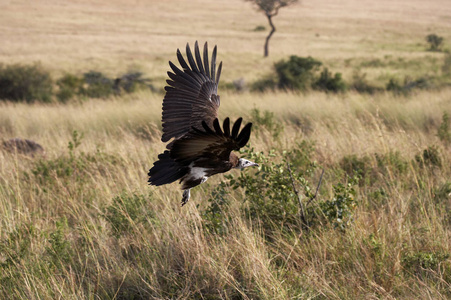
[25, 83]
[329, 82]
[280, 197]
[60, 251]
[360, 83]
[409, 84]
[419, 83]
[392, 161]
[131, 82]
[267, 83]
[393, 85]
[429, 158]
[69, 86]
[269, 194]
[97, 85]
[259, 28]
[340, 210]
[418, 263]
[358, 166]
[435, 42]
[444, 132]
[377, 198]
[297, 73]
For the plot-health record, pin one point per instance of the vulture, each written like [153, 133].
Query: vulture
[198, 147]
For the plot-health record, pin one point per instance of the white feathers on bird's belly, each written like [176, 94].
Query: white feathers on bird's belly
[195, 176]
[198, 172]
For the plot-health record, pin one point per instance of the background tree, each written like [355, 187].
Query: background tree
[270, 8]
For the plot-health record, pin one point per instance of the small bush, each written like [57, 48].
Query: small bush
[269, 195]
[361, 85]
[131, 82]
[69, 86]
[260, 28]
[393, 85]
[435, 42]
[329, 82]
[25, 83]
[98, 85]
[267, 83]
[358, 166]
[429, 158]
[392, 161]
[60, 251]
[409, 84]
[444, 131]
[279, 196]
[297, 73]
[340, 210]
[419, 83]
[419, 263]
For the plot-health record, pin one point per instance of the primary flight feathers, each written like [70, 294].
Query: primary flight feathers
[199, 147]
[191, 96]
[213, 143]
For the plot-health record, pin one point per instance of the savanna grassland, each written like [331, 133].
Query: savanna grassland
[80, 221]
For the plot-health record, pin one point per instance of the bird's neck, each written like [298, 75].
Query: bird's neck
[233, 159]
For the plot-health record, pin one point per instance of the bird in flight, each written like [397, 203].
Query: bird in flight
[199, 148]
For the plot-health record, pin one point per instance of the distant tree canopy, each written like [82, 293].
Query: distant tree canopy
[270, 8]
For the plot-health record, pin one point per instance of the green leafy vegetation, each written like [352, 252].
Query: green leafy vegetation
[32, 83]
[329, 82]
[25, 83]
[435, 42]
[297, 73]
[444, 131]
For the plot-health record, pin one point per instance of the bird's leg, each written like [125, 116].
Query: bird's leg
[186, 195]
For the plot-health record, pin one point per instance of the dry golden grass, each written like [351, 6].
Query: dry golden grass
[169, 253]
[70, 227]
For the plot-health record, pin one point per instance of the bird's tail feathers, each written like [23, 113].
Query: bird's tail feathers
[165, 170]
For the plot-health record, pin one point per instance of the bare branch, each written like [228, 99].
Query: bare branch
[303, 218]
[317, 188]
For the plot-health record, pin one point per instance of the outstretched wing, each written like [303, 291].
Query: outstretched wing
[191, 95]
[211, 143]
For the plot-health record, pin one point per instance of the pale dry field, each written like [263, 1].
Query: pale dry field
[113, 36]
[64, 234]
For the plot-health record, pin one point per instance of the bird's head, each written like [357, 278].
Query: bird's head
[244, 163]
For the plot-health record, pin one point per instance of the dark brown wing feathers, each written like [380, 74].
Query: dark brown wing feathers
[213, 142]
[191, 95]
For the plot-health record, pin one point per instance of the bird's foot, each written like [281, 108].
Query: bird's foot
[186, 195]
